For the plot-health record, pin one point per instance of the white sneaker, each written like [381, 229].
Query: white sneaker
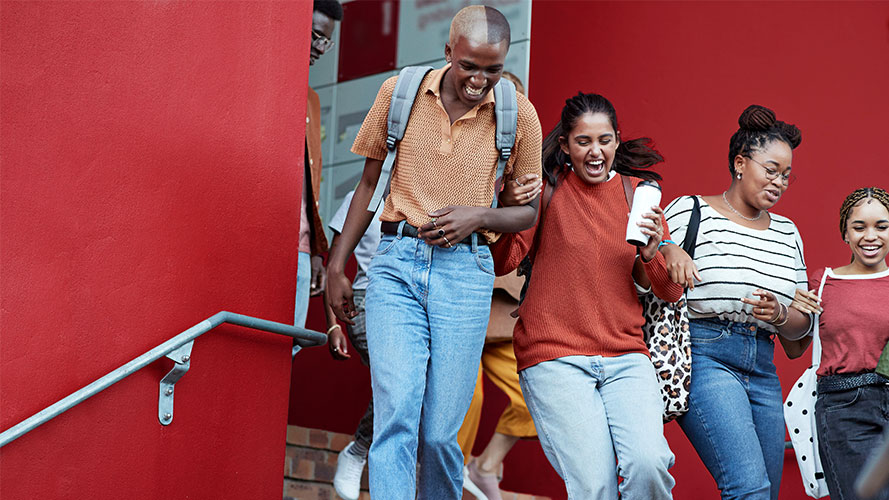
[347, 480]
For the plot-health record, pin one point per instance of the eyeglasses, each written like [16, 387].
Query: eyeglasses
[322, 42]
[772, 174]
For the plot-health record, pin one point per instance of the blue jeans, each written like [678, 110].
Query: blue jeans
[427, 312]
[303, 286]
[591, 410]
[850, 426]
[735, 418]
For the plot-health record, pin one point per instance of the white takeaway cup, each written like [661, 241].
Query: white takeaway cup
[647, 195]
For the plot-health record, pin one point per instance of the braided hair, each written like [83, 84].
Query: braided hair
[631, 158]
[857, 198]
[758, 128]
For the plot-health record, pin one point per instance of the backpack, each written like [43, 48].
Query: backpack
[408, 84]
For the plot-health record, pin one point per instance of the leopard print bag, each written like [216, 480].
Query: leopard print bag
[666, 331]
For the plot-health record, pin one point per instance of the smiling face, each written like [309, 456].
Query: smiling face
[867, 232]
[756, 189]
[322, 30]
[476, 66]
[591, 146]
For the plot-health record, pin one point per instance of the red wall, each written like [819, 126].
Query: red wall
[681, 72]
[148, 182]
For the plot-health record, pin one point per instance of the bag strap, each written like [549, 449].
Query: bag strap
[691, 231]
[403, 96]
[628, 190]
[506, 112]
[816, 340]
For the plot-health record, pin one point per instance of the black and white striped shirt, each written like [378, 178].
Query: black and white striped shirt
[734, 260]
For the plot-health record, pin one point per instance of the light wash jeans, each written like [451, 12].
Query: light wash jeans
[591, 410]
[427, 312]
[303, 286]
[735, 418]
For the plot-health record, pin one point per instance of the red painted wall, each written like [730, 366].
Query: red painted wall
[148, 182]
[681, 73]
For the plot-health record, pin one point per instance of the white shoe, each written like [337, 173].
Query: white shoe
[347, 480]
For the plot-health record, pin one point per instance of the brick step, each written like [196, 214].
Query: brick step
[310, 464]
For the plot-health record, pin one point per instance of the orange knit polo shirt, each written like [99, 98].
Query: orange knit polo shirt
[440, 163]
[581, 299]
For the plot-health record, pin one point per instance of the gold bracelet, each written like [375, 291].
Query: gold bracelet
[332, 327]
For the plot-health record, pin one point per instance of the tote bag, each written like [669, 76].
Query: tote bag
[799, 415]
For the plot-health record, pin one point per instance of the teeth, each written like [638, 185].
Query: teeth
[472, 91]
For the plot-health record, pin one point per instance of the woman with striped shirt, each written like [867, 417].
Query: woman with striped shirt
[748, 261]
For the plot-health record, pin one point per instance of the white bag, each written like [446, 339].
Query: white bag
[799, 415]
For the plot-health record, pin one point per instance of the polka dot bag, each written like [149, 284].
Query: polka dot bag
[799, 415]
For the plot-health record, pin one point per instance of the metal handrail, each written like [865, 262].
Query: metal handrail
[180, 344]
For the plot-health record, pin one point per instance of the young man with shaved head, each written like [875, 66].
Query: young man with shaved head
[430, 281]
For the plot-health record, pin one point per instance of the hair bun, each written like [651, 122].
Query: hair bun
[757, 117]
[791, 132]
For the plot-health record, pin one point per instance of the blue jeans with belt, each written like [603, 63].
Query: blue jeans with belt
[735, 418]
[427, 312]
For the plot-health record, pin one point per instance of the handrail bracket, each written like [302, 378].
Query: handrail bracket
[182, 357]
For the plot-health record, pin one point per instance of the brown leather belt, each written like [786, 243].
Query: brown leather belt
[409, 230]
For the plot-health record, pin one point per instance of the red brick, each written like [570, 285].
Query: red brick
[299, 453]
[324, 472]
[300, 490]
[297, 435]
[339, 441]
[319, 439]
[303, 469]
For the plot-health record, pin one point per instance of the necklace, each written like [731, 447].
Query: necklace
[739, 214]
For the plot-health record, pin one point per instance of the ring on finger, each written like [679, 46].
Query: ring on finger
[528, 195]
[441, 232]
[447, 242]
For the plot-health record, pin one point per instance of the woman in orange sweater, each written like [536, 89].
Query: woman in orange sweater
[583, 363]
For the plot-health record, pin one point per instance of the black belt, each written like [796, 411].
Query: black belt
[842, 382]
[409, 230]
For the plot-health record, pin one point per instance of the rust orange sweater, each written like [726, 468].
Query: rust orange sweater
[581, 299]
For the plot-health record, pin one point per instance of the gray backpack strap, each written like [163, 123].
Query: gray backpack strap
[506, 110]
[403, 97]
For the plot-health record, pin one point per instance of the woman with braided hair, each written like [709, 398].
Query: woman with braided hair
[853, 391]
[748, 262]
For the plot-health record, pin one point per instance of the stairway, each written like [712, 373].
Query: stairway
[310, 463]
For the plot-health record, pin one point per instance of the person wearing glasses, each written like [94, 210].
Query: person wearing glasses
[311, 277]
[748, 262]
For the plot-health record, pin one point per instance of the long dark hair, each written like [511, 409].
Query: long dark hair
[758, 127]
[631, 158]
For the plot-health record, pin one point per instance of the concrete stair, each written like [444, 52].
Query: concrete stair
[310, 463]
